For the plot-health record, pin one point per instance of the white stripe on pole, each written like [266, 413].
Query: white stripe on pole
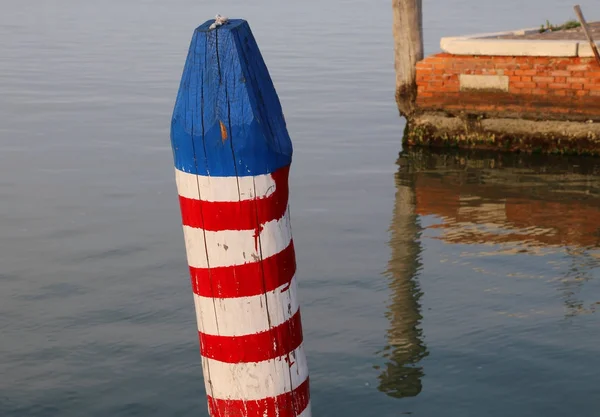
[236, 247]
[223, 189]
[243, 316]
[255, 380]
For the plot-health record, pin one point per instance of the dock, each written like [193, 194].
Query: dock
[533, 90]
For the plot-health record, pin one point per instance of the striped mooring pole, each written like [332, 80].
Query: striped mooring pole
[232, 155]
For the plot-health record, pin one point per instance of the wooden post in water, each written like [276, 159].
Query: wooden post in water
[408, 50]
[232, 155]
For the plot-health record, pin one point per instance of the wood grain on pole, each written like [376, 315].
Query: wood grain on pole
[408, 50]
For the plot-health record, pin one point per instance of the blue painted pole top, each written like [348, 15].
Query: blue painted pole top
[228, 119]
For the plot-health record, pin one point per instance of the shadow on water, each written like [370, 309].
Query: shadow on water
[493, 205]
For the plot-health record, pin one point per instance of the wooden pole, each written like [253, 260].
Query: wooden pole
[408, 50]
[587, 32]
[232, 155]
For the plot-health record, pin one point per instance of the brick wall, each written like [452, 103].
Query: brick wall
[538, 87]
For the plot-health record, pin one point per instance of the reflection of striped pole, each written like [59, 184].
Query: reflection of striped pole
[232, 156]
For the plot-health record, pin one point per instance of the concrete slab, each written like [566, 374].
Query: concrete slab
[488, 44]
[490, 83]
[585, 50]
[508, 47]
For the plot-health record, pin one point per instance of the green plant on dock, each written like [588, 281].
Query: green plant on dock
[571, 24]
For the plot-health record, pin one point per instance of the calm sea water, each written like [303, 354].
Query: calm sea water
[432, 284]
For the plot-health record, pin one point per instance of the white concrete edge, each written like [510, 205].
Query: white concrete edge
[485, 44]
[585, 50]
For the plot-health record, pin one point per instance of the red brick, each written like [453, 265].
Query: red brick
[462, 66]
[524, 85]
[451, 87]
[503, 66]
[576, 80]
[581, 93]
[592, 74]
[525, 72]
[576, 86]
[577, 67]
[595, 93]
[560, 92]
[452, 81]
[560, 79]
[538, 79]
[562, 64]
[560, 73]
[447, 89]
[542, 85]
[447, 64]
[541, 60]
[526, 79]
[514, 79]
[560, 85]
[522, 59]
[591, 86]
[539, 91]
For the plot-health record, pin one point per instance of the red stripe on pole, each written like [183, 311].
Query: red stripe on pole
[238, 215]
[290, 404]
[258, 347]
[248, 279]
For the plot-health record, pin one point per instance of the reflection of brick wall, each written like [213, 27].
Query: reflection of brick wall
[543, 222]
[574, 223]
[539, 87]
[436, 198]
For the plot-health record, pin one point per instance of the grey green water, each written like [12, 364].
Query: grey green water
[432, 283]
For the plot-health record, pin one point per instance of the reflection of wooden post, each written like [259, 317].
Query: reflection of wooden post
[402, 375]
[232, 155]
[408, 40]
